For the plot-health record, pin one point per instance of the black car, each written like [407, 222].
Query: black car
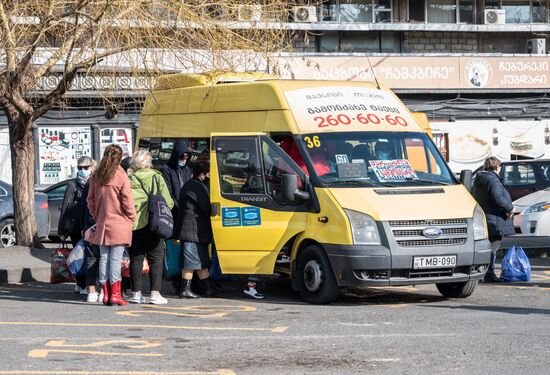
[7, 225]
[55, 193]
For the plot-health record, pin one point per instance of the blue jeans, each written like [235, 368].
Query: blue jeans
[109, 263]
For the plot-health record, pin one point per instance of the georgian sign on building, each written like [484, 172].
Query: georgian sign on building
[424, 72]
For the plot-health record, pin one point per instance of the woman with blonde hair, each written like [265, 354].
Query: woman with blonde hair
[145, 182]
[112, 207]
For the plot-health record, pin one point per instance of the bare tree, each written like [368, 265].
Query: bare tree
[65, 39]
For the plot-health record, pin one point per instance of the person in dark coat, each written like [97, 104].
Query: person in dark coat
[194, 229]
[496, 202]
[176, 173]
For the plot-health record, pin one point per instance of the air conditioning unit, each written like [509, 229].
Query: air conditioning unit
[305, 13]
[495, 16]
[250, 13]
[536, 46]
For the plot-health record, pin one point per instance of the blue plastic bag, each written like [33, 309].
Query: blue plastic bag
[515, 265]
[172, 260]
[77, 259]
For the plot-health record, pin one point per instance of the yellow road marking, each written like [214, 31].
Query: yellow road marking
[139, 344]
[33, 372]
[43, 353]
[205, 308]
[153, 326]
[137, 313]
[210, 311]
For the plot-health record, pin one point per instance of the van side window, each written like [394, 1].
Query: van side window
[274, 167]
[239, 166]
[161, 148]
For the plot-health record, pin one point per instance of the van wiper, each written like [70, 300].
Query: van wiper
[426, 180]
[359, 182]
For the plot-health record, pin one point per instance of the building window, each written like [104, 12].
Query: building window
[356, 11]
[441, 11]
[466, 11]
[521, 11]
[343, 41]
[417, 10]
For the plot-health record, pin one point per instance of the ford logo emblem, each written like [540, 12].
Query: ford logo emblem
[432, 232]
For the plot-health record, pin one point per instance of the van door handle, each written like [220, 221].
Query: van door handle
[214, 209]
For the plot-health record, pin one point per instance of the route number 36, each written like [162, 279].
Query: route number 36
[312, 142]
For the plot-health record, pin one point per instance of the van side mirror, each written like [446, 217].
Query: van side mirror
[290, 189]
[466, 178]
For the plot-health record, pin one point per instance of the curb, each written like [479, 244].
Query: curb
[22, 264]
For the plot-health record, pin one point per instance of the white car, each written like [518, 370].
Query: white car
[532, 213]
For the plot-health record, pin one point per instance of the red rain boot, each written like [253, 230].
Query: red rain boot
[106, 292]
[116, 296]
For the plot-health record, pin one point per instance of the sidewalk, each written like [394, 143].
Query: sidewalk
[22, 264]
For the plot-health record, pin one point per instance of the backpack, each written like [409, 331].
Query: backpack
[161, 222]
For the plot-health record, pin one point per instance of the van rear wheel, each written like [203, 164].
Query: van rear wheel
[316, 281]
[457, 290]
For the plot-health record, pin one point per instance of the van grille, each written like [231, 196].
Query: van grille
[409, 233]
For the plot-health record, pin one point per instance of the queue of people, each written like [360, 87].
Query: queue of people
[108, 206]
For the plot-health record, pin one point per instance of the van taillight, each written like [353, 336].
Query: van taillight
[44, 204]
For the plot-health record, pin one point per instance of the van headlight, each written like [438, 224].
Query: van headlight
[480, 225]
[539, 207]
[363, 228]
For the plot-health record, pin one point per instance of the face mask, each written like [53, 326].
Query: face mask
[383, 156]
[182, 163]
[84, 173]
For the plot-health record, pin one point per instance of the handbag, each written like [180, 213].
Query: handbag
[515, 265]
[161, 222]
[125, 265]
[172, 260]
[59, 270]
[77, 259]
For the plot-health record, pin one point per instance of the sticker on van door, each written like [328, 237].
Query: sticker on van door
[231, 216]
[251, 216]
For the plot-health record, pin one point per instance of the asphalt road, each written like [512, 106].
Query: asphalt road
[501, 329]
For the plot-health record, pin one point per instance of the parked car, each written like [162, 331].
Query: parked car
[55, 193]
[532, 213]
[7, 226]
[523, 177]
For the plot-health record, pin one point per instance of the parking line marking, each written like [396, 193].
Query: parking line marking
[152, 326]
[139, 344]
[43, 353]
[33, 372]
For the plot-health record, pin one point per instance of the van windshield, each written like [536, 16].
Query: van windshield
[376, 159]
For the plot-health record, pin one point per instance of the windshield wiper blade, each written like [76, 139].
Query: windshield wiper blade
[426, 180]
[359, 182]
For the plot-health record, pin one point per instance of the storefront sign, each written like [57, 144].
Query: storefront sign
[471, 142]
[424, 72]
[59, 148]
[118, 136]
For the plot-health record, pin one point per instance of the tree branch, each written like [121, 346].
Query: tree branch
[8, 36]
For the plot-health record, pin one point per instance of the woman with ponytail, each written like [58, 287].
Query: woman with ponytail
[111, 205]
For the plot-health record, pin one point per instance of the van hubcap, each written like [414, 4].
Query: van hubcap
[7, 235]
[313, 275]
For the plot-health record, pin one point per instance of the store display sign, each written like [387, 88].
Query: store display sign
[59, 148]
[118, 136]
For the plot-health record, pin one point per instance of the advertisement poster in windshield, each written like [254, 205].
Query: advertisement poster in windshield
[392, 170]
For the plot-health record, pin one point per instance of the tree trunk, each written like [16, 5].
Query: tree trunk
[22, 162]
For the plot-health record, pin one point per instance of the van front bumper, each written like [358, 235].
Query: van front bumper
[367, 265]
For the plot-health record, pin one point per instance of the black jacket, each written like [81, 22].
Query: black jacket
[175, 176]
[495, 200]
[71, 209]
[193, 223]
[86, 220]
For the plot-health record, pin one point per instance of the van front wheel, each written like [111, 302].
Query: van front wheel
[316, 281]
[457, 290]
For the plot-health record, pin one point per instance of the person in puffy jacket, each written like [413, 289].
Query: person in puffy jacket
[146, 181]
[496, 202]
[112, 207]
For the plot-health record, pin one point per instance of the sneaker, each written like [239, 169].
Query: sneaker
[100, 298]
[252, 291]
[137, 297]
[157, 299]
[93, 297]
